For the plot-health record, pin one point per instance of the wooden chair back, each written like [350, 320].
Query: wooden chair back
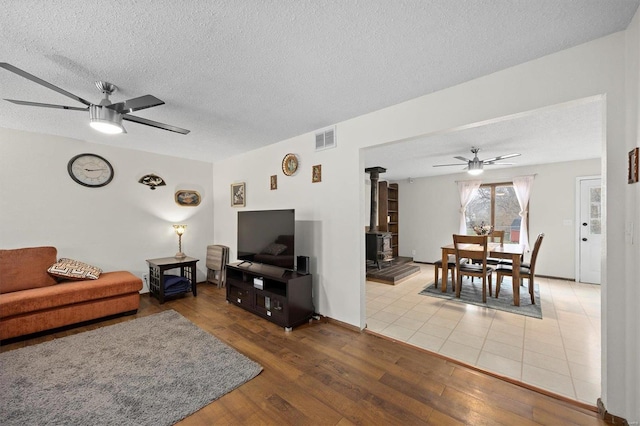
[476, 251]
[534, 253]
[472, 247]
[497, 236]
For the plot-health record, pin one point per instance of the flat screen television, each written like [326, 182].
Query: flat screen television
[267, 236]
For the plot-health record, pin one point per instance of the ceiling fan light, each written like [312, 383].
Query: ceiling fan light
[105, 120]
[475, 167]
[106, 127]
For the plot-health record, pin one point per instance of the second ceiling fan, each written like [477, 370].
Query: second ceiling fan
[475, 165]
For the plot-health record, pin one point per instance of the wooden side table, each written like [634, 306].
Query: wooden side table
[157, 267]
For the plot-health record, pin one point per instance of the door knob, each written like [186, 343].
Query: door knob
[584, 223]
[584, 239]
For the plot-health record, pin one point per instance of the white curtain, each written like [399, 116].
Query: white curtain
[522, 186]
[466, 189]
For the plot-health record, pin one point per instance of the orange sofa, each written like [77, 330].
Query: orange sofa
[31, 300]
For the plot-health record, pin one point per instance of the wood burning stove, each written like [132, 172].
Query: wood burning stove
[379, 247]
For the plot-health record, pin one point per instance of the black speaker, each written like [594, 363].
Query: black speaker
[302, 264]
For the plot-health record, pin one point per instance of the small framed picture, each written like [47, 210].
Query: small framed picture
[316, 173]
[633, 166]
[238, 195]
[273, 183]
[188, 198]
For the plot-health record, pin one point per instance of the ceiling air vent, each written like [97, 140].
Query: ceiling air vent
[326, 139]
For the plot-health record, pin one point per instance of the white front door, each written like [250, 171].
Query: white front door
[590, 233]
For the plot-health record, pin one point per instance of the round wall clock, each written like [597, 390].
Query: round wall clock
[90, 170]
[289, 164]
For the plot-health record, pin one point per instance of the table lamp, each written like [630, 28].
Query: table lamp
[180, 230]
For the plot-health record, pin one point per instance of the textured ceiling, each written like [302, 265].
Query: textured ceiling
[567, 132]
[244, 74]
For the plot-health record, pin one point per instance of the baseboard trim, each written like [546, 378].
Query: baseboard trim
[556, 278]
[340, 324]
[608, 417]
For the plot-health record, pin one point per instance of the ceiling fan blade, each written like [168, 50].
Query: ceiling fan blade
[445, 165]
[152, 123]
[500, 157]
[40, 81]
[136, 104]
[462, 159]
[498, 164]
[38, 104]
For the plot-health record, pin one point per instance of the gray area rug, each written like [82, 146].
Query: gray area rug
[154, 370]
[471, 293]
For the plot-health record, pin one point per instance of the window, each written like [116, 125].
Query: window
[495, 204]
[595, 215]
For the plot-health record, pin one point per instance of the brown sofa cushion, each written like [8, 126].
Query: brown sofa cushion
[110, 284]
[26, 268]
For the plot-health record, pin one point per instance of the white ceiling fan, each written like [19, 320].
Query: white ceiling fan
[105, 116]
[476, 166]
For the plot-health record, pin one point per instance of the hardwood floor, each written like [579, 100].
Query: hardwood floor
[322, 373]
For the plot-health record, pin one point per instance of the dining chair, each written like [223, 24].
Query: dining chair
[497, 236]
[527, 270]
[473, 247]
[451, 266]
[494, 237]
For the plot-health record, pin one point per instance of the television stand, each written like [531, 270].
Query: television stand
[276, 294]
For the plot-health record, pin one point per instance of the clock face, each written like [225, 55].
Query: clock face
[90, 170]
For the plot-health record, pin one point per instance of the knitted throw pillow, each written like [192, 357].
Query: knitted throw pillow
[74, 270]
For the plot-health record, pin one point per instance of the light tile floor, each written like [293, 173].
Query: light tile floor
[559, 353]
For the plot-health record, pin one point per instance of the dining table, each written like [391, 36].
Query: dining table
[494, 249]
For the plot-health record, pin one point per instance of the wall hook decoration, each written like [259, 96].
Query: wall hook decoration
[152, 181]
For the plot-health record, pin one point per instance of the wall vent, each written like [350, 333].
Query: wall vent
[326, 138]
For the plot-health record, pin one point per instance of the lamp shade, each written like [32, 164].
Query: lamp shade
[105, 120]
[180, 229]
[475, 167]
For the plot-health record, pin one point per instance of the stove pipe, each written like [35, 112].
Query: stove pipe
[374, 173]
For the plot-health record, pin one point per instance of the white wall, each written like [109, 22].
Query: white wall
[631, 368]
[335, 208]
[318, 209]
[115, 227]
[429, 216]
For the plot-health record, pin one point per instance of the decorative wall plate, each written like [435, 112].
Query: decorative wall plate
[289, 164]
[188, 198]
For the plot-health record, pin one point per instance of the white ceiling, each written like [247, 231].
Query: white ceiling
[568, 132]
[244, 74]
